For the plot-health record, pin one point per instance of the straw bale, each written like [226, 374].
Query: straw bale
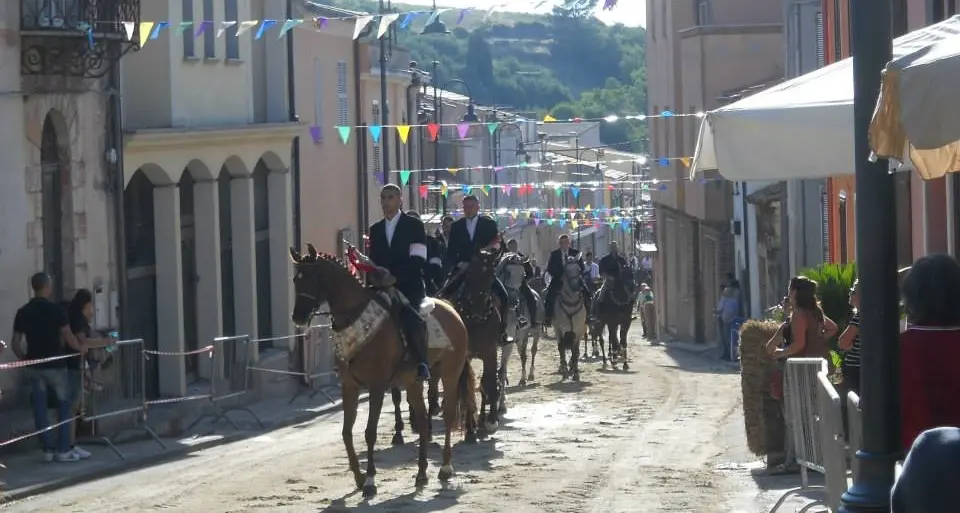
[762, 418]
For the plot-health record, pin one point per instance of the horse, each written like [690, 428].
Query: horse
[477, 307]
[570, 318]
[511, 271]
[615, 303]
[370, 353]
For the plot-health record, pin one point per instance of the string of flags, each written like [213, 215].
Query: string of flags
[146, 31]
[526, 189]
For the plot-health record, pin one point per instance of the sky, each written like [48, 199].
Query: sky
[629, 12]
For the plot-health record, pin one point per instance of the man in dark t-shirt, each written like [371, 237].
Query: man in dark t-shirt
[44, 326]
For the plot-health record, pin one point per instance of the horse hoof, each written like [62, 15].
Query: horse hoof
[523, 382]
[422, 482]
[397, 439]
[446, 473]
[491, 427]
[434, 409]
[471, 438]
[369, 491]
[625, 366]
[576, 377]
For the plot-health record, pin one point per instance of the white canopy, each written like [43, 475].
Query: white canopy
[917, 113]
[800, 129]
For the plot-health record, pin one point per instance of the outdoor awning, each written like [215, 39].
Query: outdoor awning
[799, 129]
[917, 114]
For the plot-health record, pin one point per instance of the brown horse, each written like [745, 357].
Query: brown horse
[479, 309]
[370, 354]
[615, 302]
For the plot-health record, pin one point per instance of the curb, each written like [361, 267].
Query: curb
[700, 351]
[125, 465]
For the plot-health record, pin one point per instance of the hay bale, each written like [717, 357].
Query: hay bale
[762, 418]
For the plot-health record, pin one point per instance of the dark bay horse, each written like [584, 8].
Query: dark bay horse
[480, 311]
[615, 302]
[370, 354]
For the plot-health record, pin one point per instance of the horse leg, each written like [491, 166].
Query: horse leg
[398, 414]
[350, 401]
[505, 355]
[415, 390]
[492, 389]
[562, 340]
[433, 395]
[523, 360]
[575, 359]
[624, 328]
[533, 354]
[603, 349]
[376, 405]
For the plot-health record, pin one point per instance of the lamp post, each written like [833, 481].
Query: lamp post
[871, 31]
[384, 109]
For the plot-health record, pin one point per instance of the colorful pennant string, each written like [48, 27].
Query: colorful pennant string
[433, 129]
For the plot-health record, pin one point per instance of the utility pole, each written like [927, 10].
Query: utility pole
[384, 109]
[871, 34]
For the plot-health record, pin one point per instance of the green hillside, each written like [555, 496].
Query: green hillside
[564, 63]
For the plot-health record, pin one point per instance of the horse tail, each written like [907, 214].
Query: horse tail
[466, 396]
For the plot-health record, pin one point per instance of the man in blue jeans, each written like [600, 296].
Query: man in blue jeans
[46, 328]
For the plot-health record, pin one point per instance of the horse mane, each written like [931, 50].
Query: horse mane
[320, 257]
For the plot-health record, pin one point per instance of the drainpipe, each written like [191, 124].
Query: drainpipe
[361, 149]
[295, 148]
[115, 138]
[412, 108]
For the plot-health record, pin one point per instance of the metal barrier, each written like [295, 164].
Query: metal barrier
[800, 390]
[14, 431]
[230, 377]
[117, 388]
[316, 362]
[833, 445]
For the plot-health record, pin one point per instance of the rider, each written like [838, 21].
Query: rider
[466, 234]
[525, 289]
[433, 269]
[398, 243]
[556, 268]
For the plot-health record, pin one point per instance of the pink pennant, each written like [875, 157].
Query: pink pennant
[497, 169]
[423, 191]
[463, 129]
[507, 188]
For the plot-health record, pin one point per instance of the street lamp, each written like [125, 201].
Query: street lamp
[437, 26]
[469, 117]
[498, 159]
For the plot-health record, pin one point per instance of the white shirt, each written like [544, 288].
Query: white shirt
[391, 226]
[594, 269]
[472, 226]
[647, 263]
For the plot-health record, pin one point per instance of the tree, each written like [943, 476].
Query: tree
[479, 61]
[575, 8]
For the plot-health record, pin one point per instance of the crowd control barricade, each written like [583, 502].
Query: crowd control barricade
[18, 415]
[800, 392]
[194, 394]
[116, 397]
[230, 378]
[314, 370]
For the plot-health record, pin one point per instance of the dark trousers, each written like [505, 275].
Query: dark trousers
[527, 294]
[415, 330]
[851, 383]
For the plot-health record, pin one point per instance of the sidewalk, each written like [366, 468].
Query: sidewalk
[26, 474]
[706, 350]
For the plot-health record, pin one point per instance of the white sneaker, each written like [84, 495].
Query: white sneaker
[81, 452]
[47, 457]
[67, 457]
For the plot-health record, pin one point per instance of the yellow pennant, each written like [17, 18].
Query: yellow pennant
[404, 131]
[146, 27]
[686, 161]
[453, 170]
[549, 119]
[573, 224]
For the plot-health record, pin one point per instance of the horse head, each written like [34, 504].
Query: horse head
[482, 268]
[315, 275]
[571, 273]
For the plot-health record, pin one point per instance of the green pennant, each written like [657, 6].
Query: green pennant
[344, 133]
[404, 177]
[559, 191]
[492, 127]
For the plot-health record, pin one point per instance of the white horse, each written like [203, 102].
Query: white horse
[570, 318]
[511, 272]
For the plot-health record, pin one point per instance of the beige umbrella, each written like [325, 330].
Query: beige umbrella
[917, 118]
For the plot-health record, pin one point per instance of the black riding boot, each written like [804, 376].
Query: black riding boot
[415, 329]
[587, 300]
[501, 292]
[531, 304]
[552, 292]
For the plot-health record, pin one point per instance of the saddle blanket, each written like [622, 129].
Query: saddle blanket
[351, 339]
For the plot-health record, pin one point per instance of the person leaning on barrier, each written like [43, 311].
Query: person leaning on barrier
[45, 327]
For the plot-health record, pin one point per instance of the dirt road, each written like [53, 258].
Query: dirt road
[646, 440]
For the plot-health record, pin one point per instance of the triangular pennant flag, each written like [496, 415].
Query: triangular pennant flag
[385, 21]
[433, 17]
[497, 169]
[128, 27]
[588, 207]
[434, 130]
[507, 188]
[443, 189]
[287, 26]
[316, 134]
[463, 14]
[575, 191]
[686, 161]
[536, 221]
[563, 222]
[224, 25]
[573, 224]
[405, 177]
[380, 178]
[486, 190]
[145, 28]
[558, 191]
[264, 27]
[375, 131]
[246, 26]
[423, 191]
[202, 27]
[404, 131]
[453, 170]
[463, 129]
[183, 26]
[362, 23]
[549, 119]
[156, 30]
[408, 19]
[608, 5]
[492, 127]
[465, 188]
[344, 132]
[321, 22]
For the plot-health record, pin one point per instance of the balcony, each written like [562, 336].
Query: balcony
[80, 38]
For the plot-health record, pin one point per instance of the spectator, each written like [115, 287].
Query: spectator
[45, 327]
[849, 343]
[928, 482]
[80, 311]
[930, 347]
[804, 335]
[728, 309]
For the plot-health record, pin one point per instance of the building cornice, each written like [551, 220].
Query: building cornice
[179, 138]
[710, 30]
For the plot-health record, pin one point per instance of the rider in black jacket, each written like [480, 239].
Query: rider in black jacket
[555, 268]
[525, 289]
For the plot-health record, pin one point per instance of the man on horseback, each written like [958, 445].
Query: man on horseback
[466, 234]
[433, 269]
[611, 266]
[555, 268]
[398, 244]
[525, 289]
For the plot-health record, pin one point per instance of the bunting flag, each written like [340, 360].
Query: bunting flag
[404, 132]
[145, 28]
[463, 129]
[385, 21]
[245, 26]
[344, 132]
[264, 27]
[404, 177]
[361, 24]
[375, 131]
[316, 134]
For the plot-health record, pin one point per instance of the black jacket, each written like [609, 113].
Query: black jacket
[433, 271]
[556, 263]
[460, 248]
[612, 265]
[403, 255]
